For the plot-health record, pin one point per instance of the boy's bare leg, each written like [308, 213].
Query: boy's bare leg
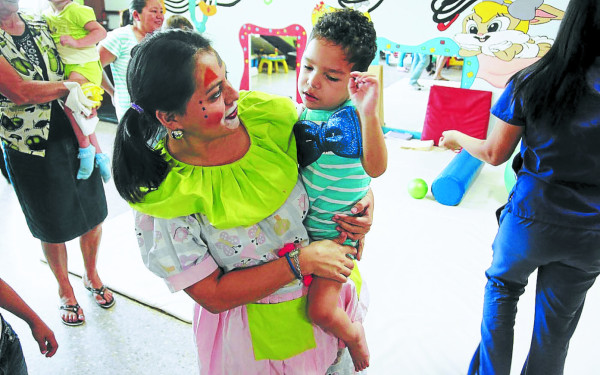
[323, 310]
[94, 142]
[82, 140]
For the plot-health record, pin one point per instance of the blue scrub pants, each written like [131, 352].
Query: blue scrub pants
[567, 260]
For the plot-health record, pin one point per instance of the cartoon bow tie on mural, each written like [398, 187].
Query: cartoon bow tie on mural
[340, 135]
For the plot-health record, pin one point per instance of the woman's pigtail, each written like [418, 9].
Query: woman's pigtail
[137, 167]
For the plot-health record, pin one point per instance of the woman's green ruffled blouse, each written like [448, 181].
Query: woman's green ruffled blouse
[246, 191]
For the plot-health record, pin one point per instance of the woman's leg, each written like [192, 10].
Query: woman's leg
[323, 310]
[56, 255]
[512, 263]
[90, 243]
[560, 296]
[441, 63]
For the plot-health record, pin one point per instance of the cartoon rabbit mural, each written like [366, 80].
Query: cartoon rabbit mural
[497, 32]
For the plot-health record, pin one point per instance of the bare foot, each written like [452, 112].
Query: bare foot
[359, 351]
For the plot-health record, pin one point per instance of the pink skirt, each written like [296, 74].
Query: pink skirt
[225, 346]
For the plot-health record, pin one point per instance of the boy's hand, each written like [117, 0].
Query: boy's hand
[68, 40]
[44, 337]
[364, 92]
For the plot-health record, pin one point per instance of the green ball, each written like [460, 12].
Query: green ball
[417, 188]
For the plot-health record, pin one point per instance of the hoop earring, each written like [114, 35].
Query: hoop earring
[177, 134]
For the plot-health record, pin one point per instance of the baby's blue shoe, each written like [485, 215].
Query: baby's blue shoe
[103, 163]
[86, 162]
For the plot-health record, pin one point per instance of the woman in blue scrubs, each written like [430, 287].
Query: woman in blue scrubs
[551, 222]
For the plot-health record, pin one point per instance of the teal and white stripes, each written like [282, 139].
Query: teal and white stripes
[334, 184]
[120, 42]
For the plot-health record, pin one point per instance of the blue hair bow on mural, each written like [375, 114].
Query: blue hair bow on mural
[340, 134]
[521, 9]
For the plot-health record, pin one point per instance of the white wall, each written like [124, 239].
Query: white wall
[408, 23]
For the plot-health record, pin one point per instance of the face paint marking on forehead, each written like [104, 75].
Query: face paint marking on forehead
[209, 76]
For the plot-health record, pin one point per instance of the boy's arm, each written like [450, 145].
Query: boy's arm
[11, 301]
[96, 33]
[364, 92]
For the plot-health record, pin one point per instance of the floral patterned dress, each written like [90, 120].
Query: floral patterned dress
[273, 335]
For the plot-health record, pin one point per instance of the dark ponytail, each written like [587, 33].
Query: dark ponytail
[160, 77]
[126, 18]
[135, 163]
[127, 14]
[554, 85]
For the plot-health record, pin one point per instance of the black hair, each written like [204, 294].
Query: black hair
[353, 32]
[554, 85]
[160, 77]
[127, 14]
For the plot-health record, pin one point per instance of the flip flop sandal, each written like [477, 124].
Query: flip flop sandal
[100, 292]
[74, 309]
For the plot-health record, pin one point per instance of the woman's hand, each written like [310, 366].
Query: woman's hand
[357, 225]
[221, 291]
[449, 140]
[328, 259]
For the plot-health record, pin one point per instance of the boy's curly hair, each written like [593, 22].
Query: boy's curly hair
[351, 30]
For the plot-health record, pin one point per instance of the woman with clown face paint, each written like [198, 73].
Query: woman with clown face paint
[216, 199]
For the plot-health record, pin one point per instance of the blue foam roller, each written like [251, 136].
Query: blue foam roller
[454, 181]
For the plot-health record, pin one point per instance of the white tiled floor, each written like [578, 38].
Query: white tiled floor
[423, 263]
[129, 338]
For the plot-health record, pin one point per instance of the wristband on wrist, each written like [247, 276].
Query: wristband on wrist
[292, 254]
[294, 271]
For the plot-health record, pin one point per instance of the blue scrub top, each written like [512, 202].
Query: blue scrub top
[560, 179]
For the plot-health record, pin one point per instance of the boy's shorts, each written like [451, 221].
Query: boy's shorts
[92, 71]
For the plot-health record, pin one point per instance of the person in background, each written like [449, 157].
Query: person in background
[76, 32]
[41, 155]
[551, 222]
[216, 199]
[341, 99]
[439, 66]
[12, 361]
[416, 69]
[141, 19]
[177, 21]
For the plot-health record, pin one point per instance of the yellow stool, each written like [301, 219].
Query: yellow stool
[269, 60]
